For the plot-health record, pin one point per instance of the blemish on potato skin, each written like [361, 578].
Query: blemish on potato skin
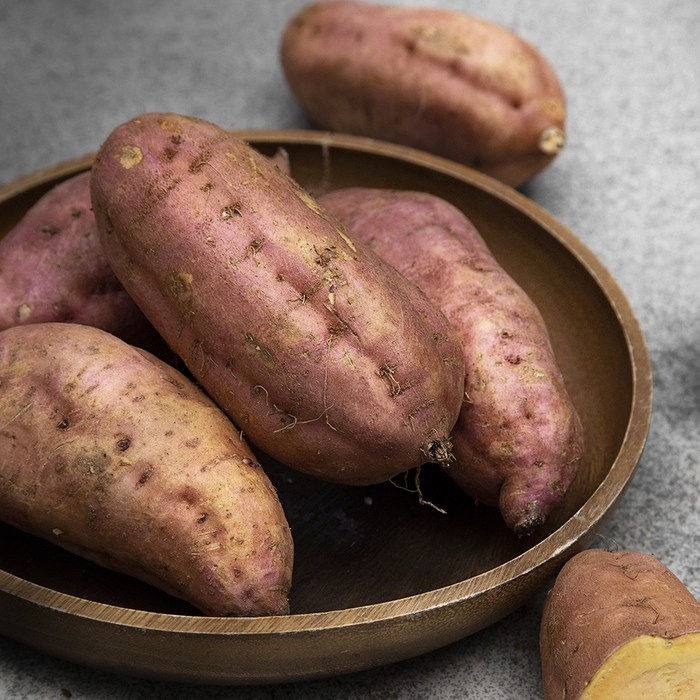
[347, 359]
[169, 154]
[180, 285]
[387, 371]
[197, 164]
[109, 224]
[230, 211]
[145, 476]
[95, 466]
[24, 311]
[324, 257]
[30, 491]
[263, 352]
[433, 37]
[92, 518]
[123, 444]
[13, 477]
[189, 495]
[254, 247]
[130, 156]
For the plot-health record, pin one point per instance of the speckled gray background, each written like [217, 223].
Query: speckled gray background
[628, 184]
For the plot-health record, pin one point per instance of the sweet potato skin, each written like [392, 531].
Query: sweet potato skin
[112, 454]
[601, 600]
[52, 268]
[518, 440]
[435, 79]
[327, 358]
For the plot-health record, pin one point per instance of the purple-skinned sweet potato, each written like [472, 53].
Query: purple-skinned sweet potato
[519, 440]
[114, 455]
[622, 626]
[436, 79]
[328, 359]
[52, 268]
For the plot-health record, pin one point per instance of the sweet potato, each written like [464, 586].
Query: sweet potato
[52, 268]
[327, 358]
[518, 439]
[112, 454]
[435, 79]
[619, 625]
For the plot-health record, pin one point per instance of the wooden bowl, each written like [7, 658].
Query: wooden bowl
[378, 577]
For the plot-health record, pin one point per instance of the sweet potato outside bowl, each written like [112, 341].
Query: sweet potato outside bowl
[378, 576]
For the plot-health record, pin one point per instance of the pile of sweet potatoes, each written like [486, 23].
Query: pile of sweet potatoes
[302, 332]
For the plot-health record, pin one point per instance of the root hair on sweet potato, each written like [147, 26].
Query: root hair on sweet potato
[416, 489]
[386, 371]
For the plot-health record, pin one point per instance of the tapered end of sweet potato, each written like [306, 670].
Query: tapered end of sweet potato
[552, 141]
[438, 450]
[529, 520]
[527, 497]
